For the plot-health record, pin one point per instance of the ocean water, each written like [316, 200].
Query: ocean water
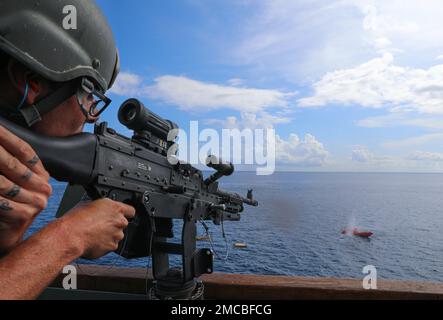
[296, 230]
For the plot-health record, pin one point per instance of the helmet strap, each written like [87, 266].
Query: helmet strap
[33, 113]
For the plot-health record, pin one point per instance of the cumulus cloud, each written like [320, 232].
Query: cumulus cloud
[362, 154]
[189, 94]
[379, 83]
[294, 151]
[306, 152]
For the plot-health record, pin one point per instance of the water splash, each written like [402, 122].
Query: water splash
[351, 225]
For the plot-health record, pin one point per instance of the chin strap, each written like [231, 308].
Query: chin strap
[33, 113]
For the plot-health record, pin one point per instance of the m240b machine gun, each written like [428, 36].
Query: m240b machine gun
[136, 171]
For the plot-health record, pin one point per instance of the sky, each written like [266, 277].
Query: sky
[347, 85]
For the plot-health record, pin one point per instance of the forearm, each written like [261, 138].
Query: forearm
[32, 265]
[11, 235]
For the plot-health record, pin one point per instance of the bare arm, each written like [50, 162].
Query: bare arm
[32, 265]
[91, 230]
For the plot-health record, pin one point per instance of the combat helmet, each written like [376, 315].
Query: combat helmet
[61, 40]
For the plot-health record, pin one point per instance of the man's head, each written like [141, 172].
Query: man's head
[51, 74]
[19, 85]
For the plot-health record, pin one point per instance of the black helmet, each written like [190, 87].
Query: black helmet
[33, 32]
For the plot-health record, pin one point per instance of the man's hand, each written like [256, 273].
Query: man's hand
[24, 188]
[98, 226]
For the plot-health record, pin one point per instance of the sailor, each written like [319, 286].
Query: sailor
[53, 78]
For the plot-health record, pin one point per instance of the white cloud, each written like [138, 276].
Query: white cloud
[189, 94]
[402, 119]
[250, 120]
[414, 141]
[383, 22]
[306, 152]
[364, 160]
[235, 82]
[426, 156]
[296, 152]
[278, 39]
[362, 154]
[379, 83]
[382, 43]
[127, 84]
[409, 25]
[306, 38]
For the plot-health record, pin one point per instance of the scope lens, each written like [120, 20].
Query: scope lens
[130, 112]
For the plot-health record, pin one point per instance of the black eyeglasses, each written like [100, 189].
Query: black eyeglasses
[99, 104]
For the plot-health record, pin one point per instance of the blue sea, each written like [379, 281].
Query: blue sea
[296, 229]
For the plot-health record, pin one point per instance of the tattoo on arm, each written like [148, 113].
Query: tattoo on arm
[13, 192]
[4, 205]
[34, 161]
[27, 175]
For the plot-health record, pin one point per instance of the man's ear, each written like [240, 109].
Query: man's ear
[34, 89]
[19, 77]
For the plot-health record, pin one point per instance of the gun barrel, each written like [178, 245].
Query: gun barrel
[250, 202]
[233, 195]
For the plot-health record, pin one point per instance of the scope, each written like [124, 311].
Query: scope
[135, 116]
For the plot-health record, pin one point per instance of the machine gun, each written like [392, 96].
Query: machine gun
[139, 172]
